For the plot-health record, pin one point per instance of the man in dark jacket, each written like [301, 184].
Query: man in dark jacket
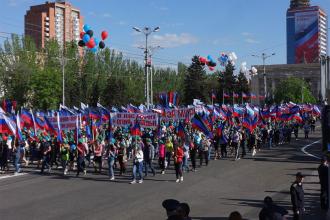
[297, 197]
[271, 211]
[148, 156]
[323, 176]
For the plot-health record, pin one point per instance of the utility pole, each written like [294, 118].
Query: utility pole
[146, 31]
[264, 56]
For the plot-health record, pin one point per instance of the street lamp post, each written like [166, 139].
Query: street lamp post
[146, 31]
[264, 56]
[152, 50]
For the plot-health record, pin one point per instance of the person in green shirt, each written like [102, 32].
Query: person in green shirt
[64, 150]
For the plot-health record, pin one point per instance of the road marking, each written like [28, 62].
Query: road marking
[11, 176]
[303, 149]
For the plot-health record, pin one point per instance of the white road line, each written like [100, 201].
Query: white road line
[303, 149]
[11, 176]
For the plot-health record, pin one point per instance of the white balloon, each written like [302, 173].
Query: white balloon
[254, 70]
[243, 67]
[234, 55]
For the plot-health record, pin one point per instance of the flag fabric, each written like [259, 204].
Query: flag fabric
[7, 125]
[136, 129]
[180, 131]
[9, 106]
[220, 128]
[27, 119]
[253, 96]
[213, 95]
[225, 95]
[59, 131]
[235, 95]
[19, 130]
[244, 95]
[261, 97]
[198, 124]
[65, 111]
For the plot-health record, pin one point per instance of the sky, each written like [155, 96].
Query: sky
[187, 27]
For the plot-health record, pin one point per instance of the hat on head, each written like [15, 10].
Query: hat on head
[170, 204]
[299, 174]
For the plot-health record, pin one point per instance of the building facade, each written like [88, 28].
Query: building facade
[277, 73]
[325, 78]
[53, 20]
[307, 32]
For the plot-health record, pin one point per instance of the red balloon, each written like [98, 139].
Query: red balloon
[91, 43]
[211, 68]
[82, 34]
[104, 35]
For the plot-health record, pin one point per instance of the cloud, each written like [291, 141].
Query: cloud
[246, 34]
[173, 40]
[251, 41]
[15, 3]
[172, 25]
[106, 15]
[224, 41]
[12, 3]
[91, 13]
[159, 7]
[122, 23]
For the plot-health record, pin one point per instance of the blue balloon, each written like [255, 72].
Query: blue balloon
[86, 38]
[94, 49]
[86, 27]
[97, 41]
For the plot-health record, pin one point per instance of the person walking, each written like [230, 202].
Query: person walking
[64, 151]
[323, 176]
[161, 156]
[223, 143]
[178, 158]
[148, 156]
[297, 197]
[122, 157]
[203, 154]
[169, 152]
[98, 151]
[185, 165]
[111, 154]
[307, 129]
[45, 150]
[137, 163]
[82, 150]
[193, 153]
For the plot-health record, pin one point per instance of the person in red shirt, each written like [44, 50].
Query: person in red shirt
[178, 158]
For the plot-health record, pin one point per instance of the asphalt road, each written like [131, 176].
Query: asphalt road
[212, 192]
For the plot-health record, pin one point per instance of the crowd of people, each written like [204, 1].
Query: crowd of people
[119, 149]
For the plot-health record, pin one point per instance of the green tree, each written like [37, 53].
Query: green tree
[295, 90]
[243, 84]
[194, 82]
[227, 81]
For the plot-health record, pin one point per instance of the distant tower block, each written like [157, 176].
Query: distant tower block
[299, 3]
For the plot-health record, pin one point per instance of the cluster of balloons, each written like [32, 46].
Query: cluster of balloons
[91, 42]
[227, 57]
[244, 69]
[208, 61]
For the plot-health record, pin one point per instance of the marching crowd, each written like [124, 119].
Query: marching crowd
[119, 149]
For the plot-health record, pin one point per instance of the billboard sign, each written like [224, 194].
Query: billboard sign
[306, 37]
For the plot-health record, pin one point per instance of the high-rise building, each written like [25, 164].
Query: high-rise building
[307, 32]
[53, 20]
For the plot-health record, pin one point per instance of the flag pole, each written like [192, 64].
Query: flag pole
[223, 97]
[242, 99]
[233, 99]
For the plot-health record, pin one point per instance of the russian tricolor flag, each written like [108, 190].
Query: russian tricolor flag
[7, 125]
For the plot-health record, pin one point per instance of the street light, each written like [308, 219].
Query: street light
[264, 57]
[146, 31]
